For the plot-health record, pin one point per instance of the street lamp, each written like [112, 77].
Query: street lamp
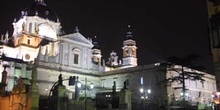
[91, 85]
[148, 91]
[184, 94]
[145, 99]
[79, 84]
[145, 93]
[181, 94]
[86, 87]
[141, 90]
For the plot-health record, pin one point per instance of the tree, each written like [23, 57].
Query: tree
[183, 74]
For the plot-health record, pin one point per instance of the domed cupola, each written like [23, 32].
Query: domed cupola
[38, 26]
[38, 20]
[39, 8]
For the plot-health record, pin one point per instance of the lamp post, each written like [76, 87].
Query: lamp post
[86, 87]
[77, 88]
[145, 96]
[185, 97]
[73, 80]
[144, 93]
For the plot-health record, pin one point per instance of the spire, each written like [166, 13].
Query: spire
[95, 43]
[76, 30]
[129, 33]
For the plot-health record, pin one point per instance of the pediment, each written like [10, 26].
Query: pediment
[77, 37]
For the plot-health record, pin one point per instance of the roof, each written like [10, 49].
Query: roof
[39, 8]
[78, 38]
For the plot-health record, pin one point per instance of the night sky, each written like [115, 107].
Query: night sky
[161, 28]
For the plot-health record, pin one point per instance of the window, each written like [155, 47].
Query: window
[28, 41]
[30, 27]
[142, 80]
[133, 52]
[75, 56]
[103, 84]
[126, 52]
[76, 59]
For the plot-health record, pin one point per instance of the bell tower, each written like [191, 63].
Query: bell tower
[129, 50]
[96, 53]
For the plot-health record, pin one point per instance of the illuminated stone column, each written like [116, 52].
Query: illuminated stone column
[23, 70]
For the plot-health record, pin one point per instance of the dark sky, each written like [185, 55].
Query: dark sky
[161, 28]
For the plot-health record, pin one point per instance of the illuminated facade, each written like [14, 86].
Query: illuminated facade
[37, 35]
[214, 33]
[196, 91]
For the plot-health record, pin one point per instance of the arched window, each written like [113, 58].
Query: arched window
[28, 41]
[30, 27]
[76, 56]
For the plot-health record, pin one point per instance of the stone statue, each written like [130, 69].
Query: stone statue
[114, 98]
[36, 30]
[18, 98]
[60, 80]
[125, 84]
[23, 26]
[114, 87]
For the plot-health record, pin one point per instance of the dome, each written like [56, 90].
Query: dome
[40, 9]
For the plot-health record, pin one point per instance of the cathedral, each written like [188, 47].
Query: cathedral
[37, 35]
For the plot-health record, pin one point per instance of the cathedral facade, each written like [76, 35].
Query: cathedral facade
[37, 35]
